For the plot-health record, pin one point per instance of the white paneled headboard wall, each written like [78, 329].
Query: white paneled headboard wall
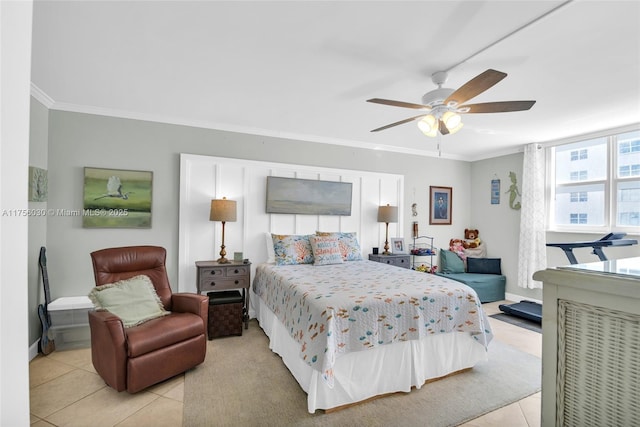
[203, 178]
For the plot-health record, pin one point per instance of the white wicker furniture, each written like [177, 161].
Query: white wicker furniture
[590, 350]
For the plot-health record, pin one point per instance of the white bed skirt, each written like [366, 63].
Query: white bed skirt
[365, 374]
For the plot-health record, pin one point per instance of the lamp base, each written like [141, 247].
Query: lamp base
[386, 249]
[386, 242]
[223, 253]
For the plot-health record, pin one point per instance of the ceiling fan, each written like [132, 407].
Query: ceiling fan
[443, 106]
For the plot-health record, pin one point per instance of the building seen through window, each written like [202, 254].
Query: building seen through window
[596, 184]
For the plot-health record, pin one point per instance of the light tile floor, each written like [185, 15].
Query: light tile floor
[65, 390]
[526, 412]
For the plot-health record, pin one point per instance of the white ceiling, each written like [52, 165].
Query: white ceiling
[304, 69]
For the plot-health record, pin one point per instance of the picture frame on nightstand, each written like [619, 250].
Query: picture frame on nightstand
[397, 245]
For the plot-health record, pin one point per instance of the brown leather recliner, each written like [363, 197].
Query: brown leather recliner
[134, 358]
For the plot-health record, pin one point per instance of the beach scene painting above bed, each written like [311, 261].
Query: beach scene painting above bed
[308, 196]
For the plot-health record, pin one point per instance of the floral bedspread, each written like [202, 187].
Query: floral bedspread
[334, 309]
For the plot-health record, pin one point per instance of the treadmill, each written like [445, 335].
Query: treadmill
[525, 309]
[532, 310]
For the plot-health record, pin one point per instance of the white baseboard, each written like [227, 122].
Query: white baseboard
[33, 350]
[518, 298]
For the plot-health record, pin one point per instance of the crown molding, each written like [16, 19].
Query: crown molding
[49, 102]
[41, 96]
[124, 114]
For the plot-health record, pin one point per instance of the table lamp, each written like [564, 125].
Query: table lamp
[222, 210]
[387, 214]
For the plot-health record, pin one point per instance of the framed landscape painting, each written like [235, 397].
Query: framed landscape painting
[116, 198]
[308, 196]
[440, 205]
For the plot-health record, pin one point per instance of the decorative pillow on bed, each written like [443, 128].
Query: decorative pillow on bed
[349, 246]
[271, 253]
[484, 265]
[326, 250]
[450, 262]
[133, 300]
[292, 249]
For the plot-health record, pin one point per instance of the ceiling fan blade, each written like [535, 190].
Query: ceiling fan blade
[399, 104]
[475, 86]
[498, 107]
[399, 123]
[443, 128]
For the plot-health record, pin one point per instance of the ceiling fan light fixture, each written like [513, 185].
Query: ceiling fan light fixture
[429, 125]
[451, 120]
[455, 129]
[445, 105]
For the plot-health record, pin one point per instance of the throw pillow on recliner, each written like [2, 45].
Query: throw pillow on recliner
[133, 300]
[450, 262]
[484, 265]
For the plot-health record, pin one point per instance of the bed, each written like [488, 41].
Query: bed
[355, 330]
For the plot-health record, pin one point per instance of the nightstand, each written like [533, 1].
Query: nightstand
[213, 276]
[399, 260]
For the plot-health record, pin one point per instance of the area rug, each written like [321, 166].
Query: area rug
[244, 383]
[518, 321]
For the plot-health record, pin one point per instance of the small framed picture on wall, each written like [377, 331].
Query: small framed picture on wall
[440, 205]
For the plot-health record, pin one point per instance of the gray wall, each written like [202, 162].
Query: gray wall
[78, 140]
[499, 225]
[38, 152]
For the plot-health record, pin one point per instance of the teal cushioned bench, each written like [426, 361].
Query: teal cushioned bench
[484, 275]
[489, 287]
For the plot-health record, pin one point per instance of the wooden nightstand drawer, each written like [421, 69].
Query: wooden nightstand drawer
[237, 271]
[402, 261]
[212, 272]
[220, 283]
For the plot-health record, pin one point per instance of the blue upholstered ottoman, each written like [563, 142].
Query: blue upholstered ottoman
[489, 287]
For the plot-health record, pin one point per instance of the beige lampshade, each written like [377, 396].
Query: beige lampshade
[388, 214]
[223, 210]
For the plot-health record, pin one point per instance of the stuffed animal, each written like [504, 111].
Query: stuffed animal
[471, 239]
[457, 246]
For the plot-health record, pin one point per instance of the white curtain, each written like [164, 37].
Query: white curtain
[532, 252]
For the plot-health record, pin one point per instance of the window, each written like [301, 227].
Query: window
[579, 196]
[629, 170]
[596, 184]
[577, 218]
[627, 147]
[578, 155]
[579, 175]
